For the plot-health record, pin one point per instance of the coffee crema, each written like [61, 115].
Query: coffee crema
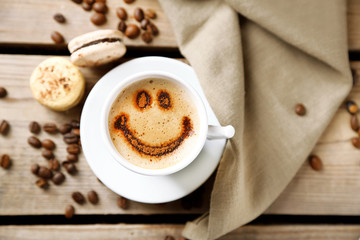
[154, 123]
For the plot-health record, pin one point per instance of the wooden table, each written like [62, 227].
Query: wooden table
[315, 205]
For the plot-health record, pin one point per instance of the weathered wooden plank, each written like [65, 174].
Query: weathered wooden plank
[158, 232]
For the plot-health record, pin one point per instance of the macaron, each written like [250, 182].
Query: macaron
[57, 84]
[97, 48]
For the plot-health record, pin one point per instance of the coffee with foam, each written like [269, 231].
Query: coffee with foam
[154, 123]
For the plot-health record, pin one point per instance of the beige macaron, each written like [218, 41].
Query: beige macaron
[97, 48]
[57, 84]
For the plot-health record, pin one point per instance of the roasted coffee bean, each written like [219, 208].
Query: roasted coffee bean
[356, 142]
[58, 178]
[315, 162]
[144, 23]
[76, 131]
[138, 14]
[70, 138]
[72, 158]
[4, 127]
[42, 183]
[48, 144]
[44, 172]
[3, 92]
[34, 142]
[75, 123]
[93, 197]
[48, 154]
[34, 127]
[169, 237]
[132, 31]
[54, 164]
[146, 37]
[57, 37]
[352, 107]
[100, 7]
[122, 26]
[59, 18]
[121, 13]
[35, 168]
[50, 128]
[98, 18]
[150, 13]
[300, 109]
[86, 6]
[65, 128]
[73, 149]
[78, 197]
[69, 211]
[5, 161]
[122, 202]
[151, 28]
[77, 1]
[70, 167]
[354, 123]
[129, 1]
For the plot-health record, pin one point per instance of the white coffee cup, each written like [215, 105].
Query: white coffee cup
[205, 131]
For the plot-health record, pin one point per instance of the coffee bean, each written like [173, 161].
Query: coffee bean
[122, 202]
[69, 211]
[75, 123]
[354, 123]
[65, 128]
[90, 2]
[86, 6]
[77, 1]
[48, 154]
[98, 19]
[59, 18]
[54, 164]
[69, 167]
[35, 168]
[44, 172]
[300, 109]
[169, 237]
[138, 14]
[72, 158]
[100, 7]
[4, 127]
[352, 107]
[50, 128]
[78, 197]
[146, 37]
[356, 142]
[122, 26]
[315, 162]
[5, 161]
[150, 13]
[34, 142]
[3, 92]
[76, 131]
[144, 23]
[151, 28]
[73, 149]
[132, 31]
[42, 183]
[93, 197]
[34, 127]
[48, 144]
[57, 37]
[121, 13]
[70, 138]
[129, 1]
[58, 178]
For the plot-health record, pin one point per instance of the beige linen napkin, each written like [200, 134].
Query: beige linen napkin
[256, 59]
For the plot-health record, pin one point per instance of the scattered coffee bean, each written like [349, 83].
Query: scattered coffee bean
[65, 128]
[86, 6]
[57, 37]
[100, 7]
[73, 149]
[354, 123]
[150, 13]
[352, 107]
[151, 28]
[34, 142]
[356, 142]
[70, 138]
[78, 197]
[300, 109]
[129, 1]
[77, 1]
[44, 172]
[146, 37]
[48, 154]
[138, 14]
[5, 161]
[69, 167]
[93, 197]
[132, 31]
[72, 158]
[34, 127]
[42, 183]
[54, 164]
[58, 178]
[144, 23]
[122, 26]
[98, 18]
[4, 127]
[75, 123]
[50, 128]
[169, 237]
[3, 92]
[48, 144]
[76, 131]
[121, 13]
[122, 202]
[69, 211]
[315, 162]
[59, 18]
[35, 168]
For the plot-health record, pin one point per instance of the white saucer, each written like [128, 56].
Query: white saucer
[136, 187]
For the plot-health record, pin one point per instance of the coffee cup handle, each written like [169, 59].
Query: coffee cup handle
[219, 132]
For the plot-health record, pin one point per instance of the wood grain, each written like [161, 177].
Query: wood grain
[158, 232]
